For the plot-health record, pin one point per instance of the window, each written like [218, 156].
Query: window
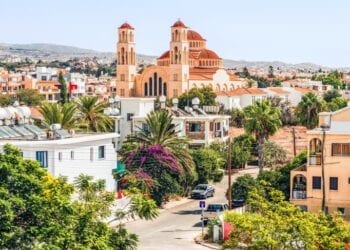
[122, 77]
[175, 93]
[91, 154]
[175, 77]
[129, 116]
[341, 210]
[122, 92]
[195, 127]
[72, 155]
[340, 149]
[145, 127]
[41, 156]
[316, 182]
[101, 152]
[60, 156]
[333, 183]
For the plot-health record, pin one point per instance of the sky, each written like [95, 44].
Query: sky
[292, 31]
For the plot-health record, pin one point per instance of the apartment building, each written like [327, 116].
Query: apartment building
[328, 149]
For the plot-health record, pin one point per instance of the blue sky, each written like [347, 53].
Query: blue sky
[293, 31]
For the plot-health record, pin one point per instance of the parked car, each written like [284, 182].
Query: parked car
[238, 203]
[213, 210]
[202, 191]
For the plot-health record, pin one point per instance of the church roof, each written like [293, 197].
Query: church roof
[179, 24]
[194, 35]
[126, 26]
[208, 54]
[165, 55]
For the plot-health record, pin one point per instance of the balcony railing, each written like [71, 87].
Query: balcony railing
[297, 194]
[315, 159]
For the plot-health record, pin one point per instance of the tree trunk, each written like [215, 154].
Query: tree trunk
[260, 154]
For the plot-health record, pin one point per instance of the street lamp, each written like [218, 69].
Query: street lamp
[324, 128]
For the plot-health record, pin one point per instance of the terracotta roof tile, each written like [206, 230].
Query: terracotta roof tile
[243, 91]
[278, 90]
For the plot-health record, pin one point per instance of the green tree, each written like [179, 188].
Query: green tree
[205, 94]
[38, 211]
[64, 114]
[209, 165]
[237, 117]
[308, 109]
[274, 223]
[274, 156]
[6, 100]
[280, 178]
[330, 95]
[29, 97]
[162, 131]
[63, 88]
[242, 150]
[262, 120]
[242, 186]
[91, 114]
[271, 72]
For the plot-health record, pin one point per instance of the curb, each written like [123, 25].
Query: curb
[199, 241]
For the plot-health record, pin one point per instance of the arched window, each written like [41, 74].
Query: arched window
[123, 55]
[160, 85]
[123, 36]
[155, 80]
[175, 55]
[150, 86]
[146, 89]
[176, 35]
[165, 89]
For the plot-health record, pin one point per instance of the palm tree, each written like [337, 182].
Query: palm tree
[91, 113]
[64, 114]
[262, 120]
[161, 131]
[308, 109]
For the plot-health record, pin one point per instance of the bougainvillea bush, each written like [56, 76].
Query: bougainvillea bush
[156, 171]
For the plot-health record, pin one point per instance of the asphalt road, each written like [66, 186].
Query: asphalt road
[175, 228]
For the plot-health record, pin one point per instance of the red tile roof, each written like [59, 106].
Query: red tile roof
[278, 90]
[126, 26]
[179, 23]
[193, 35]
[243, 91]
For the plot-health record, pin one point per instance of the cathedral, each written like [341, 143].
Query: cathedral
[187, 64]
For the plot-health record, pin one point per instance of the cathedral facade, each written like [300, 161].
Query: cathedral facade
[187, 64]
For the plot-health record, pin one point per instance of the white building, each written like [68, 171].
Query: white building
[200, 127]
[60, 152]
[76, 82]
[243, 97]
[46, 74]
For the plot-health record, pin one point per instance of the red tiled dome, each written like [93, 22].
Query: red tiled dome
[179, 24]
[208, 54]
[126, 26]
[193, 35]
[164, 55]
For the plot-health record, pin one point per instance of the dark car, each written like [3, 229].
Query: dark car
[238, 203]
[203, 191]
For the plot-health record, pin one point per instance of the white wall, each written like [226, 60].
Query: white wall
[81, 164]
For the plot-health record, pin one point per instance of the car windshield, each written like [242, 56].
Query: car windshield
[201, 187]
[215, 207]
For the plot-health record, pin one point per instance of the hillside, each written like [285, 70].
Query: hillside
[51, 52]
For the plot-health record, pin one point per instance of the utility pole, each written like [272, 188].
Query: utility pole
[229, 192]
[294, 142]
[322, 168]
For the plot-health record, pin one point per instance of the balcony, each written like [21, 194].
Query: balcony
[315, 159]
[299, 194]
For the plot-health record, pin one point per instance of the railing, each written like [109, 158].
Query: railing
[315, 159]
[297, 194]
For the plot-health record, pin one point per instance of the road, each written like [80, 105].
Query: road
[176, 227]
